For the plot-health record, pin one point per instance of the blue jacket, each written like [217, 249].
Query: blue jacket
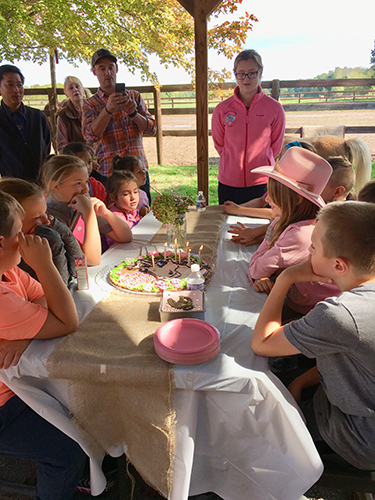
[21, 157]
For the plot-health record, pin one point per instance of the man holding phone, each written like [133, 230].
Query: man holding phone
[115, 119]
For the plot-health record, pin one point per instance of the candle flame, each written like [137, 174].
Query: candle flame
[200, 248]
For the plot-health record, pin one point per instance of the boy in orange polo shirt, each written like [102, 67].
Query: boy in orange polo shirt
[28, 310]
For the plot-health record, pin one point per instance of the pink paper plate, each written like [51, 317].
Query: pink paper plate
[186, 341]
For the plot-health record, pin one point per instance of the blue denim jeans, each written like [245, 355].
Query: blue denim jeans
[60, 460]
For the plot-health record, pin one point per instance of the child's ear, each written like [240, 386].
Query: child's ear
[55, 187]
[339, 191]
[1, 245]
[341, 266]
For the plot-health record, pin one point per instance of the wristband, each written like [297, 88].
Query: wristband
[105, 107]
[132, 115]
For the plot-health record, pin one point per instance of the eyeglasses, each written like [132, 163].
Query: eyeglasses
[251, 75]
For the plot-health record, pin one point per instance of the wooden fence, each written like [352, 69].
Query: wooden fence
[160, 104]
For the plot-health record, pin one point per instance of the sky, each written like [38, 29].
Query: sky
[295, 41]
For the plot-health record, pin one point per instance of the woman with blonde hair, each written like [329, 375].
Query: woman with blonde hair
[69, 116]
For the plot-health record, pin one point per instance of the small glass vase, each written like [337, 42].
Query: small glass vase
[177, 231]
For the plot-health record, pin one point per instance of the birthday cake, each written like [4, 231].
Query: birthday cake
[156, 272]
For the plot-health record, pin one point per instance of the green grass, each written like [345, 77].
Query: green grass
[182, 179]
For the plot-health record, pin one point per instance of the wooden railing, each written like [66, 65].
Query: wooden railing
[159, 104]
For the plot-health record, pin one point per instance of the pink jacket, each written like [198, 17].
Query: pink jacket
[247, 138]
[291, 248]
[143, 200]
[131, 217]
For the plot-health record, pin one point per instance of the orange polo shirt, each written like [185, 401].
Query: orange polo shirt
[20, 317]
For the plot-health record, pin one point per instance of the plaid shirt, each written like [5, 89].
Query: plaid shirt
[122, 136]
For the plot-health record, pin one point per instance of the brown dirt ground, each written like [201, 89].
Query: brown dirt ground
[182, 150]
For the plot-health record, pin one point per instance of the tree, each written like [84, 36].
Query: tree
[132, 29]
[372, 60]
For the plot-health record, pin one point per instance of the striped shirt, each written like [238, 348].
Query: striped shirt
[122, 135]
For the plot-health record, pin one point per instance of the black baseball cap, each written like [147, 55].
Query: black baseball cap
[101, 54]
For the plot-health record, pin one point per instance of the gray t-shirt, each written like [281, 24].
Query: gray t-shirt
[340, 333]
[62, 212]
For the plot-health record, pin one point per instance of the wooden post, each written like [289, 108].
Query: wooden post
[276, 89]
[200, 10]
[52, 98]
[201, 93]
[159, 128]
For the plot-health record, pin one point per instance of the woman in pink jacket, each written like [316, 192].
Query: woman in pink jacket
[248, 131]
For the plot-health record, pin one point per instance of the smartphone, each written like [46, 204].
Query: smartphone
[120, 87]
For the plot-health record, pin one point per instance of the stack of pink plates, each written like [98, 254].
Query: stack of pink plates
[186, 341]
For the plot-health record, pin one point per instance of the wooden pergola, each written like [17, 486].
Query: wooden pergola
[200, 10]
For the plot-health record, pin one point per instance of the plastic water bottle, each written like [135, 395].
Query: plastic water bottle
[201, 202]
[195, 280]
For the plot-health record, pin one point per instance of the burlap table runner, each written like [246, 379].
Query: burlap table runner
[202, 228]
[119, 389]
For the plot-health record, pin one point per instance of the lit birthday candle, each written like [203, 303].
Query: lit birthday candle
[165, 250]
[188, 256]
[175, 248]
[187, 246]
[199, 253]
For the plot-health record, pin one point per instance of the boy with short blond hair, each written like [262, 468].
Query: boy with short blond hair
[338, 332]
[29, 310]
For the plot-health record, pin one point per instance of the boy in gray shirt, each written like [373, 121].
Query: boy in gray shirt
[338, 332]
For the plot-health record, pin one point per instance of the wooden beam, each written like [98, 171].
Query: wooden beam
[200, 10]
[159, 130]
[187, 5]
[201, 74]
[207, 6]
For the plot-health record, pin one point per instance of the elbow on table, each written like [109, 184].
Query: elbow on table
[72, 324]
[258, 347]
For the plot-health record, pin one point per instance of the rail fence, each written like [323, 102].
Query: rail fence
[291, 93]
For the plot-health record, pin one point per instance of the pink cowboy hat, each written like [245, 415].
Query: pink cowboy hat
[303, 171]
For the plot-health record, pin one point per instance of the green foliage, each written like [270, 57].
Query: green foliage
[131, 29]
[336, 74]
[168, 206]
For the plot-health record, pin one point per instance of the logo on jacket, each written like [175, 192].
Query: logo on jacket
[229, 119]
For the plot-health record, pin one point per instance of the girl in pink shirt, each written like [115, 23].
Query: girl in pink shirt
[294, 194]
[123, 198]
[133, 164]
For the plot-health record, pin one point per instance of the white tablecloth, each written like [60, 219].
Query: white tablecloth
[239, 432]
